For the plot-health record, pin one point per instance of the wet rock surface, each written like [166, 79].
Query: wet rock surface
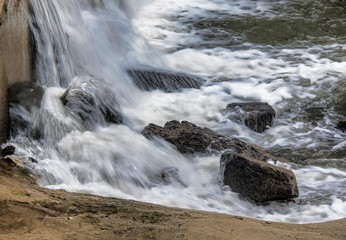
[91, 101]
[188, 137]
[256, 180]
[153, 79]
[255, 115]
[26, 93]
[243, 166]
[25, 101]
[342, 124]
[8, 150]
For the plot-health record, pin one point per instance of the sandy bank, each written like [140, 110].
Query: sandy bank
[30, 212]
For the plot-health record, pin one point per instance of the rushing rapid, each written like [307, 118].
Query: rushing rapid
[240, 50]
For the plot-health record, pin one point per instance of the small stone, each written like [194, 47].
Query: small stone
[257, 116]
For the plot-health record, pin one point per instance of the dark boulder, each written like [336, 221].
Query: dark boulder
[342, 124]
[26, 94]
[256, 180]
[91, 102]
[8, 150]
[189, 138]
[167, 81]
[25, 100]
[255, 115]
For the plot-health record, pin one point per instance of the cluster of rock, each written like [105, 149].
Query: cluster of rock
[243, 166]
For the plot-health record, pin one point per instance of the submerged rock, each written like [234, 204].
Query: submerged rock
[91, 102]
[169, 175]
[153, 79]
[255, 115]
[257, 180]
[342, 124]
[315, 113]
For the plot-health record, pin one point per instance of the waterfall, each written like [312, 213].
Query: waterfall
[84, 52]
[78, 38]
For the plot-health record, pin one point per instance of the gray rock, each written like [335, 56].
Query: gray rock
[91, 101]
[153, 79]
[256, 115]
[256, 180]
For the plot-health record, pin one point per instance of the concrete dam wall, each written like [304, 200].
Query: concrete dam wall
[15, 53]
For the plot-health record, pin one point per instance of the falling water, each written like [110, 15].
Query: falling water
[91, 48]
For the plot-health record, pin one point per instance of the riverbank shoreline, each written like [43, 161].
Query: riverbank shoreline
[31, 212]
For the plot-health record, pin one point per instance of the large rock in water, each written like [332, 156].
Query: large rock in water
[256, 115]
[91, 102]
[153, 79]
[189, 138]
[257, 180]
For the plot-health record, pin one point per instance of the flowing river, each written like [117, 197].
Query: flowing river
[288, 53]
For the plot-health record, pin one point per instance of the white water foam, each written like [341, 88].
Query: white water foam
[280, 76]
[119, 162]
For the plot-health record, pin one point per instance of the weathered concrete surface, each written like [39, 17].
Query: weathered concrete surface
[15, 53]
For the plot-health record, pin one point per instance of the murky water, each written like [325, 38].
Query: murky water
[290, 54]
